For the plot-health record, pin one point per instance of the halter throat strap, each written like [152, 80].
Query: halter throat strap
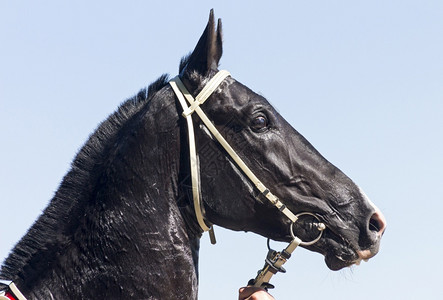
[185, 97]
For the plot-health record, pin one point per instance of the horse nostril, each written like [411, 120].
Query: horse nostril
[377, 223]
[374, 225]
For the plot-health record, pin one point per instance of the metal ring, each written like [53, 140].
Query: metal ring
[321, 228]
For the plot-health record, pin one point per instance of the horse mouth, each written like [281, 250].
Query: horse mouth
[338, 253]
[337, 261]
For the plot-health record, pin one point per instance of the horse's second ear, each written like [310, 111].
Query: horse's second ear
[209, 49]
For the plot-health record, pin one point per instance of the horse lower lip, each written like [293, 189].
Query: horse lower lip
[358, 261]
[334, 263]
[364, 254]
[342, 259]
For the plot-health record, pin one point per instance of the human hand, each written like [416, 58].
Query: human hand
[253, 293]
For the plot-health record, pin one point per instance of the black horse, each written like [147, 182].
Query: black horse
[122, 223]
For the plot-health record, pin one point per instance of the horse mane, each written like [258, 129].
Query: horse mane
[48, 236]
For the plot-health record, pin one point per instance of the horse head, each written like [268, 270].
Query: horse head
[282, 159]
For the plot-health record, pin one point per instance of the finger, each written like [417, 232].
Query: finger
[252, 292]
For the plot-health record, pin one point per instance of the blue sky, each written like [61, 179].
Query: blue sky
[361, 80]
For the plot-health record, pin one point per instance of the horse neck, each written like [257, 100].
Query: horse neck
[129, 236]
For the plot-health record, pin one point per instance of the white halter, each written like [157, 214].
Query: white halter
[194, 106]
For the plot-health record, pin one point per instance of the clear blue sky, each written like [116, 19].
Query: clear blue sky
[362, 80]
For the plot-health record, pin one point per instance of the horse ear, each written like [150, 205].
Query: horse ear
[209, 49]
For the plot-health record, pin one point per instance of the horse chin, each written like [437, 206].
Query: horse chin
[337, 255]
[337, 262]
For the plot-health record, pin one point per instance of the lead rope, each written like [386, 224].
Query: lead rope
[274, 260]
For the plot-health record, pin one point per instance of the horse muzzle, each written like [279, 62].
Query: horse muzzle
[348, 246]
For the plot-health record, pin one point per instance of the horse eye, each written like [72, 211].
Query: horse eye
[259, 123]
